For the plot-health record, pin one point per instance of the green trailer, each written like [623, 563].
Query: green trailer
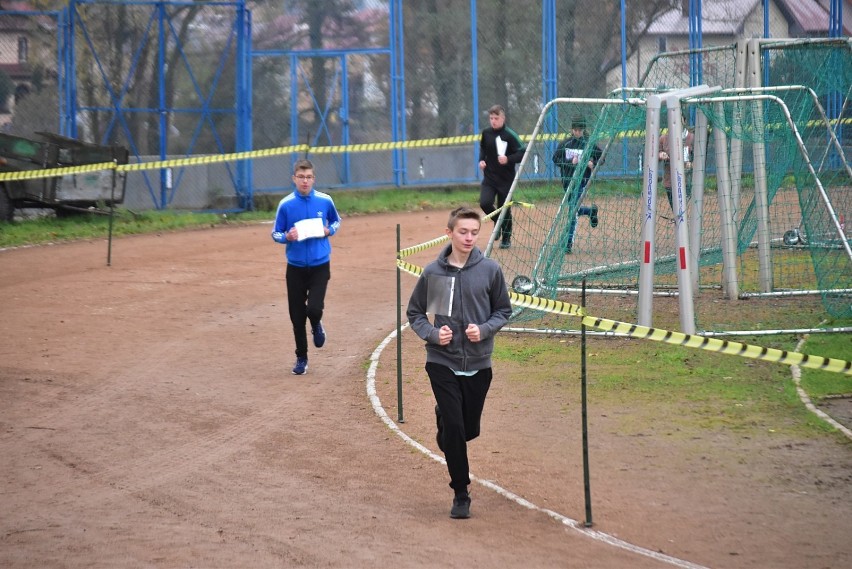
[85, 191]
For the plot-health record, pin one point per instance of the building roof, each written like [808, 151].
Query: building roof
[725, 17]
[718, 17]
[812, 16]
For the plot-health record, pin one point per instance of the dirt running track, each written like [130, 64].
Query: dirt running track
[148, 418]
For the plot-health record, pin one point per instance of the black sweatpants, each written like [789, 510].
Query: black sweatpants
[460, 399]
[487, 192]
[306, 288]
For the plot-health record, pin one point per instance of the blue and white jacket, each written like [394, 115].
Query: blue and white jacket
[296, 207]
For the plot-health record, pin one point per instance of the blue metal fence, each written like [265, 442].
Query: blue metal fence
[181, 79]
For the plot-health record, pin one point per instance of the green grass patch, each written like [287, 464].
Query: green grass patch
[818, 383]
[94, 226]
[350, 202]
[692, 390]
[53, 229]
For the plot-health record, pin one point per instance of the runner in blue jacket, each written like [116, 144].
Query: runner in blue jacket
[304, 222]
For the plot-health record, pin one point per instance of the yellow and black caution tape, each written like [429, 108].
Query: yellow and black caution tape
[218, 158]
[268, 152]
[720, 346]
[659, 334]
[408, 251]
[422, 247]
[212, 158]
[56, 172]
[546, 305]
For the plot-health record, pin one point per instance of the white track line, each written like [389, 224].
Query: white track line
[805, 398]
[564, 520]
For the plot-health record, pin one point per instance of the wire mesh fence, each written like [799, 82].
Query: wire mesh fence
[179, 80]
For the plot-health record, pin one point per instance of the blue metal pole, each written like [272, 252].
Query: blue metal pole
[766, 33]
[294, 100]
[397, 98]
[244, 106]
[623, 49]
[474, 56]
[67, 82]
[835, 24]
[835, 98]
[161, 101]
[625, 159]
[344, 117]
[691, 37]
[765, 18]
[400, 62]
[545, 39]
[394, 102]
[548, 51]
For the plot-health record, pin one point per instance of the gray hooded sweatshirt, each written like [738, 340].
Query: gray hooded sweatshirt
[478, 296]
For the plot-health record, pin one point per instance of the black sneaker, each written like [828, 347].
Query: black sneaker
[439, 436]
[593, 217]
[506, 242]
[461, 506]
[319, 335]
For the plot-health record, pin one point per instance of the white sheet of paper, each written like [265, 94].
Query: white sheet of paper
[570, 153]
[308, 228]
[501, 146]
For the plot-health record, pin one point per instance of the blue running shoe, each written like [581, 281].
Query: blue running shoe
[319, 335]
[301, 366]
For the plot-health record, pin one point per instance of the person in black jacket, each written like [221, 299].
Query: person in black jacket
[500, 148]
[567, 156]
[466, 294]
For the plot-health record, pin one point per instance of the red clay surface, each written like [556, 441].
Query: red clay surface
[148, 418]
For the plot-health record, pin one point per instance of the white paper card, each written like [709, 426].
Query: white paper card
[501, 146]
[308, 228]
[439, 295]
[571, 153]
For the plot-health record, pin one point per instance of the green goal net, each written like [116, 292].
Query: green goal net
[789, 188]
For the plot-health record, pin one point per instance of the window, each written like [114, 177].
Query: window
[23, 49]
[661, 44]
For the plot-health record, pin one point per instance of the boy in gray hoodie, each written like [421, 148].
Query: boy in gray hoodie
[467, 296]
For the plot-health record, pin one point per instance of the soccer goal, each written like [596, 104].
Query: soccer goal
[585, 211]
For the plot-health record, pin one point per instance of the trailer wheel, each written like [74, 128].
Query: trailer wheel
[7, 209]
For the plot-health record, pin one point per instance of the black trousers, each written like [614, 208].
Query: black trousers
[306, 288]
[460, 400]
[487, 193]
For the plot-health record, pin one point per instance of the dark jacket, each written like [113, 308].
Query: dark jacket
[480, 297]
[566, 164]
[500, 175]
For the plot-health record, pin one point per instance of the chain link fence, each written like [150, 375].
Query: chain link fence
[175, 80]
[30, 48]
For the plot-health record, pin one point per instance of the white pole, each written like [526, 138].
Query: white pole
[737, 128]
[761, 193]
[699, 161]
[649, 209]
[684, 280]
[729, 226]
